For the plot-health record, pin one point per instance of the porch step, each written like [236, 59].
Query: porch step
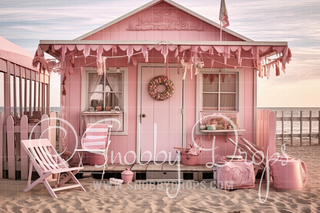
[163, 176]
[154, 172]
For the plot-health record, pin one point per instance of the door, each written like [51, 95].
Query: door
[161, 121]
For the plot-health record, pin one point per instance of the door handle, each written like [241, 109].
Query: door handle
[143, 115]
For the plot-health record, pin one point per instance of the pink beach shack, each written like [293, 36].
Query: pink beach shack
[163, 75]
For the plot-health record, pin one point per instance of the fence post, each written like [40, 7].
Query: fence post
[44, 128]
[53, 131]
[10, 146]
[301, 128]
[24, 156]
[310, 128]
[291, 128]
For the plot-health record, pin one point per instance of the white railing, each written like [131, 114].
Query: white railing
[300, 119]
[12, 157]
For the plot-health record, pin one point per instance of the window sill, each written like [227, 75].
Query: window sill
[101, 112]
[108, 117]
[226, 132]
[223, 131]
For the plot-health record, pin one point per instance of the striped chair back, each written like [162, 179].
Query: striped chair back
[96, 136]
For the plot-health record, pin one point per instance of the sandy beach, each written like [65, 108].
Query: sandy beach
[191, 197]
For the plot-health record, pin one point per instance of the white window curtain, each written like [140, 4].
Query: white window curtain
[94, 81]
[228, 91]
[114, 80]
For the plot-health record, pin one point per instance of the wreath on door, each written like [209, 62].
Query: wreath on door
[152, 88]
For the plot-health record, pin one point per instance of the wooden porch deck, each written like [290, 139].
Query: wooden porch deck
[155, 172]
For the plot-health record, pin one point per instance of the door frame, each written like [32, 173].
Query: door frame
[138, 118]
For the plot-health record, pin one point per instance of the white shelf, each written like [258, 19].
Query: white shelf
[101, 112]
[226, 132]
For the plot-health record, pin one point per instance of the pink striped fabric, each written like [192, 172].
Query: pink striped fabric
[96, 136]
[97, 131]
[94, 143]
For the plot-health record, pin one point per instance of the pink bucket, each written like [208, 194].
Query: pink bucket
[188, 160]
[288, 173]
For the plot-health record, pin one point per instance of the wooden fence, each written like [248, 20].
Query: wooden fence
[300, 135]
[13, 158]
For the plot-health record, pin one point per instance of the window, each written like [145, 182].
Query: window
[105, 90]
[108, 90]
[220, 92]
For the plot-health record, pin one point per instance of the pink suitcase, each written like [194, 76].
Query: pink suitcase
[288, 173]
[235, 175]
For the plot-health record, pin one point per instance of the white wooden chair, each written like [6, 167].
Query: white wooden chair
[47, 162]
[97, 140]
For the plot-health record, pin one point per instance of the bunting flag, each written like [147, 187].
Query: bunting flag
[223, 16]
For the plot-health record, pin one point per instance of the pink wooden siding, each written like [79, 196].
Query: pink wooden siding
[118, 31]
[124, 144]
[121, 144]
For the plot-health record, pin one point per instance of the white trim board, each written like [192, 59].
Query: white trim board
[158, 42]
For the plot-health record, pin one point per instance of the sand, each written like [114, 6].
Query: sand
[193, 197]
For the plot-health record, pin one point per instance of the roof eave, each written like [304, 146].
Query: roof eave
[155, 42]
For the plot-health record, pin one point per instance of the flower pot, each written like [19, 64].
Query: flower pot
[98, 108]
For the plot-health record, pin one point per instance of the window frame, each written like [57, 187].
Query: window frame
[85, 90]
[239, 94]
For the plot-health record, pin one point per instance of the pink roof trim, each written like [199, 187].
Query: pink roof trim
[12, 52]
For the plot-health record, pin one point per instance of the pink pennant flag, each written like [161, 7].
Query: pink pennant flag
[223, 16]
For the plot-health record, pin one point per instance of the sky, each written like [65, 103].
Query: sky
[26, 22]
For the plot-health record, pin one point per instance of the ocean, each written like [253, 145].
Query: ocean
[278, 111]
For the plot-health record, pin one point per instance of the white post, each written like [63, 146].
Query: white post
[300, 128]
[310, 127]
[291, 128]
[220, 31]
